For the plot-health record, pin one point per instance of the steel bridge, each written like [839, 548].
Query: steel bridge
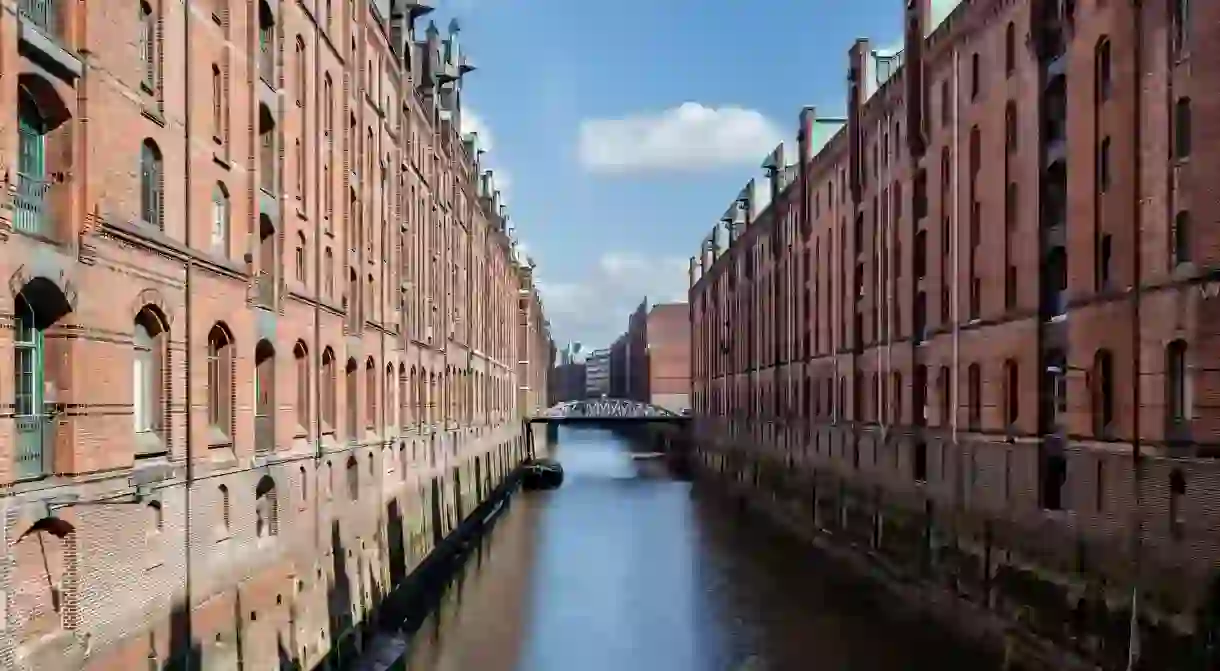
[606, 410]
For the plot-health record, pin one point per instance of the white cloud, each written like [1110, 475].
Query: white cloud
[472, 122]
[685, 138]
[593, 309]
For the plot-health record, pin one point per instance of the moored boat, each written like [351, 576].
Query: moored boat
[542, 474]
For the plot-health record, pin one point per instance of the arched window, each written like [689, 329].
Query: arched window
[974, 391]
[328, 273]
[150, 53]
[220, 219]
[975, 76]
[152, 182]
[226, 511]
[404, 397]
[351, 300]
[32, 183]
[1177, 408]
[268, 150]
[387, 399]
[353, 479]
[220, 384]
[1181, 26]
[1010, 49]
[150, 381]
[266, 509]
[415, 397]
[1012, 392]
[370, 391]
[1103, 392]
[353, 393]
[1010, 127]
[302, 68]
[1177, 493]
[329, 381]
[1104, 69]
[218, 104]
[1181, 238]
[43, 594]
[300, 355]
[301, 256]
[1182, 128]
[266, 44]
[268, 260]
[328, 110]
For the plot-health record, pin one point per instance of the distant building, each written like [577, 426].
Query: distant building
[618, 367]
[597, 374]
[667, 356]
[568, 376]
[651, 361]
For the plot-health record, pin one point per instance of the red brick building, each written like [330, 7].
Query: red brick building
[651, 361]
[989, 291]
[270, 339]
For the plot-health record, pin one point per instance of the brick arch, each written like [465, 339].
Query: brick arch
[44, 579]
[55, 286]
[45, 96]
[153, 298]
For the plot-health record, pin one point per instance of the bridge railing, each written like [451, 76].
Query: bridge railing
[607, 408]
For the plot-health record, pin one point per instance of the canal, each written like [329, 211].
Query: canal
[625, 567]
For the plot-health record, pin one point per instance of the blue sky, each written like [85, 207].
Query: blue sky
[625, 129]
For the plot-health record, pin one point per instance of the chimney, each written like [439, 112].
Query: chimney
[773, 166]
[915, 29]
[857, 93]
[746, 198]
[809, 116]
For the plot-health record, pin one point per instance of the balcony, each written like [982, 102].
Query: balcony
[31, 211]
[42, 13]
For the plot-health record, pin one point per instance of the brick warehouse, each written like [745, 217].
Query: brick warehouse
[244, 434]
[972, 319]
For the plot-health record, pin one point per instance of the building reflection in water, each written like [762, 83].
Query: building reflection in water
[623, 570]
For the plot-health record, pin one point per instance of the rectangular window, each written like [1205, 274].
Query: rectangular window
[141, 402]
[300, 165]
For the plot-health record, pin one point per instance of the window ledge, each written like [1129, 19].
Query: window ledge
[218, 438]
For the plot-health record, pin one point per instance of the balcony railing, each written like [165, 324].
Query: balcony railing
[31, 210]
[266, 168]
[265, 286]
[264, 433]
[42, 13]
[266, 63]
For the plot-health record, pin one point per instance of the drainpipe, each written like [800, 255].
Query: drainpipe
[954, 391]
[1133, 647]
[188, 326]
[316, 392]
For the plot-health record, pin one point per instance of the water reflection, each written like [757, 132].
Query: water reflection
[622, 570]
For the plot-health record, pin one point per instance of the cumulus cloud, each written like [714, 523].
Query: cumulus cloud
[689, 137]
[473, 122]
[593, 309]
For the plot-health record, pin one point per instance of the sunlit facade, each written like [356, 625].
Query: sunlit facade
[261, 306]
[976, 310]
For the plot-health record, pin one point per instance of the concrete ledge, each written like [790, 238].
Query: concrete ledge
[41, 47]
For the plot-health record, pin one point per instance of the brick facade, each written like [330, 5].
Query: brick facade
[982, 300]
[273, 336]
[650, 362]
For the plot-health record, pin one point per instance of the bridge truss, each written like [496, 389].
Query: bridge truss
[606, 408]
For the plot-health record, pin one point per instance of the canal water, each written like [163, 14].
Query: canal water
[625, 568]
